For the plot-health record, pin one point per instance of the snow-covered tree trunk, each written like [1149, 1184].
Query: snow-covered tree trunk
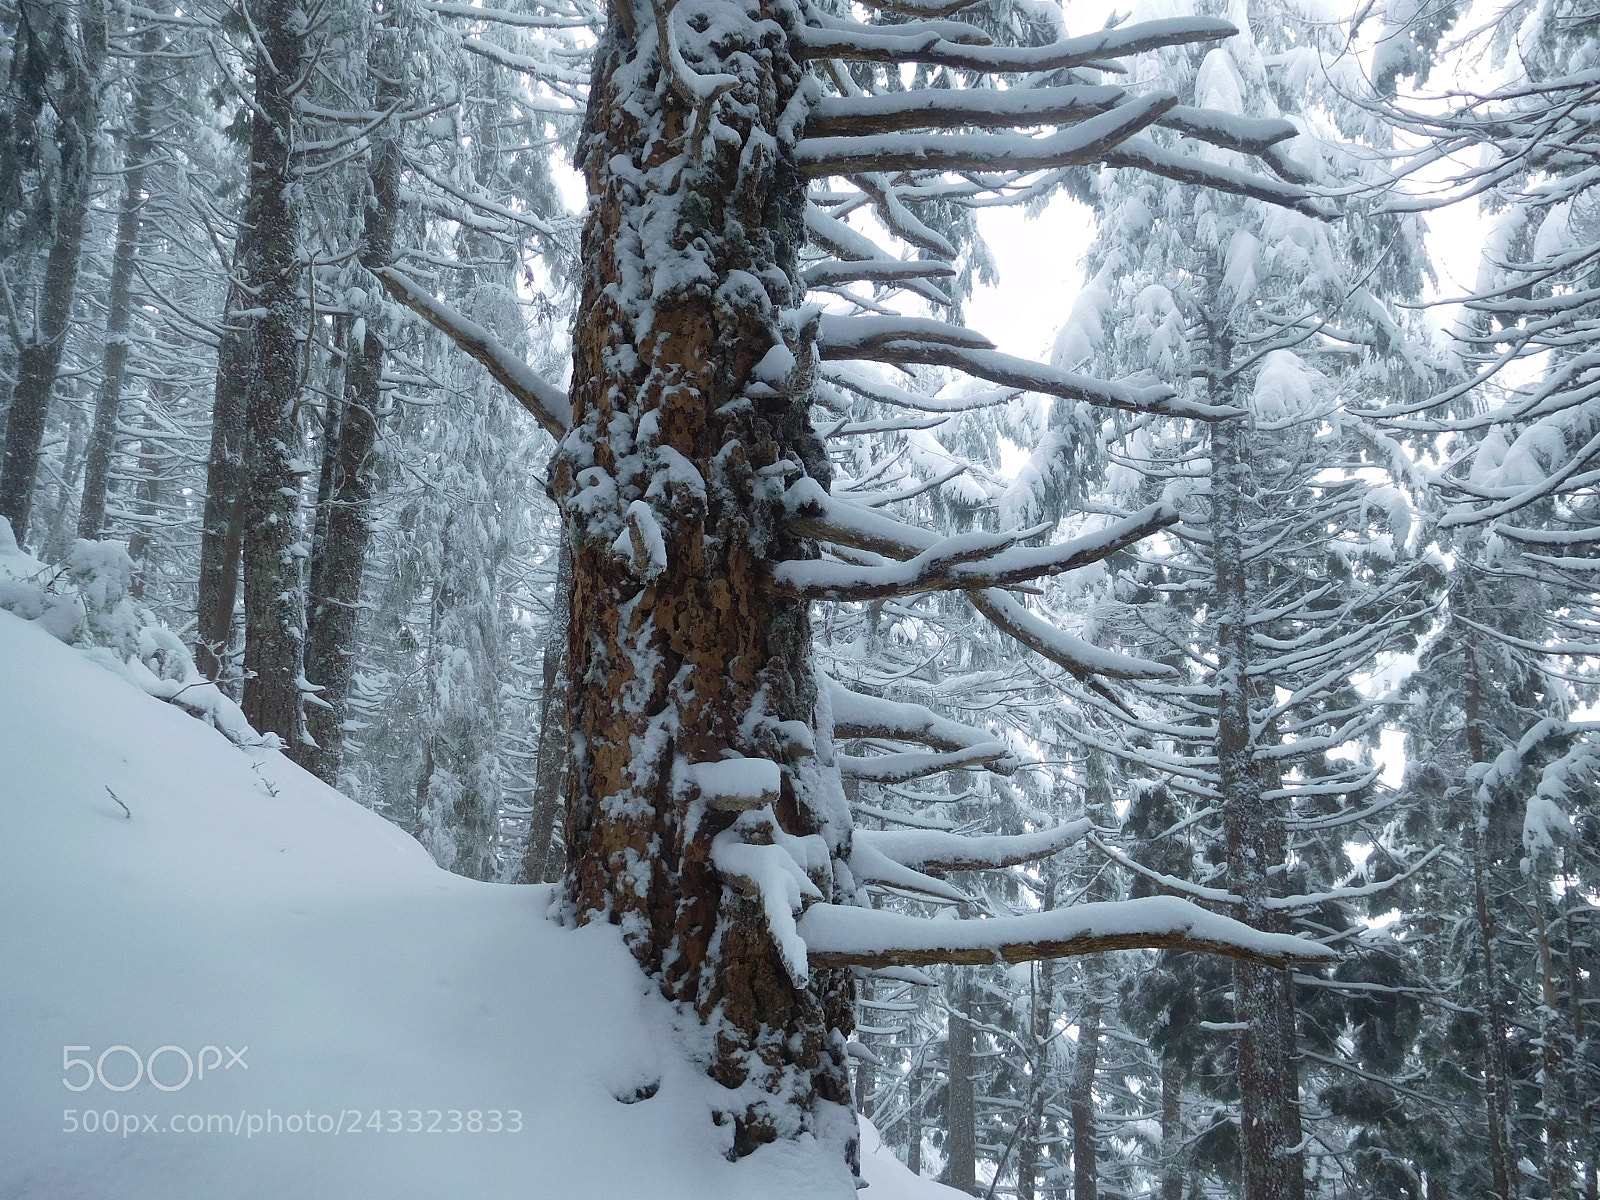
[274, 597]
[1254, 834]
[339, 554]
[670, 480]
[222, 519]
[79, 49]
[136, 145]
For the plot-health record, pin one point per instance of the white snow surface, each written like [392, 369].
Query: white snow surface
[245, 905]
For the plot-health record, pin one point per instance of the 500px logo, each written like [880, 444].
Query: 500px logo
[124, 1058]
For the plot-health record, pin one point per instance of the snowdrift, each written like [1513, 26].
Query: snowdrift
[221, 979]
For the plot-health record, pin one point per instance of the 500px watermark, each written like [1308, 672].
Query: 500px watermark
[125, 1058]
[348, 1121]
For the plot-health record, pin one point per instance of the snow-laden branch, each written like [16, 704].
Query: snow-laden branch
[936, 850]
[841, 936]
[966, 561]
[1029, 376]
[858, 716]
[877, 45]
[901, 768]
[1075, 145]
[854, 246]
[548, 403]
[1077, 656]
[971, 108]
[829, 519]
[1144, 155]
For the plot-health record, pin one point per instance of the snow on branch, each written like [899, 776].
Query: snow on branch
[1247, 135]
[1086, 142]
[971, 108]
[826, 518]
[1144, 155]
[841, 936]
[966, 561]
[839, 239]
[548, 403]
[856, 337]
[877, 45]
[902, 768]
[1078, 656]
[823, 274]
[1029, 376]
[935, 850]
[858, 716]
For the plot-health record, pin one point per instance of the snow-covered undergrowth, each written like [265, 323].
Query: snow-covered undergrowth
[303, 1004]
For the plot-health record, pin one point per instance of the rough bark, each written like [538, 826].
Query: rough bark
[79, 53]
[274, 601]
[689, 254]
[136, 146]
[339, 554]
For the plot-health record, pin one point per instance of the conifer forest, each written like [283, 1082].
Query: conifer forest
[1162, 762]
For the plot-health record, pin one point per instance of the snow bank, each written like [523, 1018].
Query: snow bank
[166, 891]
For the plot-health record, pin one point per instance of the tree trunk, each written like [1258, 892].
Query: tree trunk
[119, 299]
[1496, 1070]
[274, 603]
[961, 1118]
[680, 653]
[339, 556]
[914, 1116]
[1552, 1099]
[1172, 1149]
[150, 488]
[1085, 1165]
[79, 56]
[1267, 1086]
[222, 522]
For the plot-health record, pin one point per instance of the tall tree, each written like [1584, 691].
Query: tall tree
[704, 803]
[64, 48]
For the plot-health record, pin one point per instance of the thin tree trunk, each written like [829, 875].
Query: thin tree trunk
[1553, 1101]
[274, 603]
[57, 539]
[222, 522]
[339, 557]
[1267, 1088]
[39, 355]
[537, 866]
[1172, 1138]
[961, 1118]
[1085, 1163]
[150, 488]
[914, 1116]
[119, 298]
[1581, 1101]
[1496, 1070]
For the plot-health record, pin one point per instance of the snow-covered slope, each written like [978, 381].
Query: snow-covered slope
[399, 1011]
